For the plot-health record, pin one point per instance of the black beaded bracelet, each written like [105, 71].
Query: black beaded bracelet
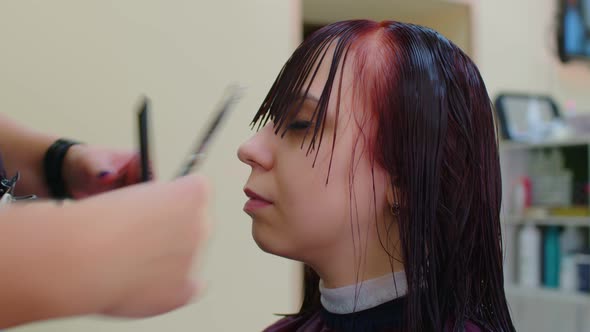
[53, 166]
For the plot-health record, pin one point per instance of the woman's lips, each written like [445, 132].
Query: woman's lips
[255, 201]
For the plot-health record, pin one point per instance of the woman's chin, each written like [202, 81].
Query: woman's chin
[271, 244]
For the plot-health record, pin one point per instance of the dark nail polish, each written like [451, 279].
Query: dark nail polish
[103, 174]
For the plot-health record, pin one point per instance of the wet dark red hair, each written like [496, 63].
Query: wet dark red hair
[435, 135]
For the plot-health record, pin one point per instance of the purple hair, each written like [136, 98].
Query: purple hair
[435, 135]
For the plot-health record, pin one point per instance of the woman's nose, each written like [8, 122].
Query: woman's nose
[257, 151]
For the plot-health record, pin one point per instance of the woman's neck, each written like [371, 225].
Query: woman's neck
[371, 253]
[345, 270]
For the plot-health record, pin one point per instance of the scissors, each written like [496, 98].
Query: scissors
[7, 189]
[232, 94]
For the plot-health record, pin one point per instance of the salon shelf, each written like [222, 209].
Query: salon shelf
[511, 145]
[548, 221]
[548, 295]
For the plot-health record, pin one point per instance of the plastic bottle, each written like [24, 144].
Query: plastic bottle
[571, 241]
[568, 276]
[551, 257]
[519, 198]
[529, 255]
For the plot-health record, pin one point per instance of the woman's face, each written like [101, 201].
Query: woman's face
[294, 212]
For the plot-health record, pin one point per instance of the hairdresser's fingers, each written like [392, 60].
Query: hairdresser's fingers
[90, 170]
[126, 171]
[130, 173]
[162, 249]
[194, 190]
[155, 300]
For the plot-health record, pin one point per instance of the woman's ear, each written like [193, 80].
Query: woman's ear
[393, 197]
[392, 191]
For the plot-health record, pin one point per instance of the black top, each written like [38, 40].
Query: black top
[387, 317]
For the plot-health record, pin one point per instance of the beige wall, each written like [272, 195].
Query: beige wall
[516, 50]
[455, 24]
[78, 68]
[449, 18]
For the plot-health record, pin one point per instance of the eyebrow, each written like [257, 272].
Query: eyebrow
[309, 97]
[310, 109]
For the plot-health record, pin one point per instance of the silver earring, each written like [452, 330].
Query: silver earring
[394, 208]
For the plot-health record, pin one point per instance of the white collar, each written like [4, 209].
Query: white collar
[364, 295]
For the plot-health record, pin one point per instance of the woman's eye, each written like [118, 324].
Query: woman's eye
[299, 125]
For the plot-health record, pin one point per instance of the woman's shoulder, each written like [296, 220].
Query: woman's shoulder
[313, 323]
[472, 327]
[469, 327]
[310, 322]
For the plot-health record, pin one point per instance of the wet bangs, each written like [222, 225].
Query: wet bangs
[286, 97]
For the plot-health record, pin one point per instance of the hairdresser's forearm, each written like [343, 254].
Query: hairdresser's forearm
[23, 150]
[44, 265]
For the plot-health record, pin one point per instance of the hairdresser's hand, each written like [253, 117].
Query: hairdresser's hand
[90, 170]
[143, 265]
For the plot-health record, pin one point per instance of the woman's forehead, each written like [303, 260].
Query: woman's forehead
[342, 86]
[323, 66]
[321, 70]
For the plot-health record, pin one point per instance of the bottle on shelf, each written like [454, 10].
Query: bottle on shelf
[571, 242]
[529, 254]
[551, 257]
[520, 198]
